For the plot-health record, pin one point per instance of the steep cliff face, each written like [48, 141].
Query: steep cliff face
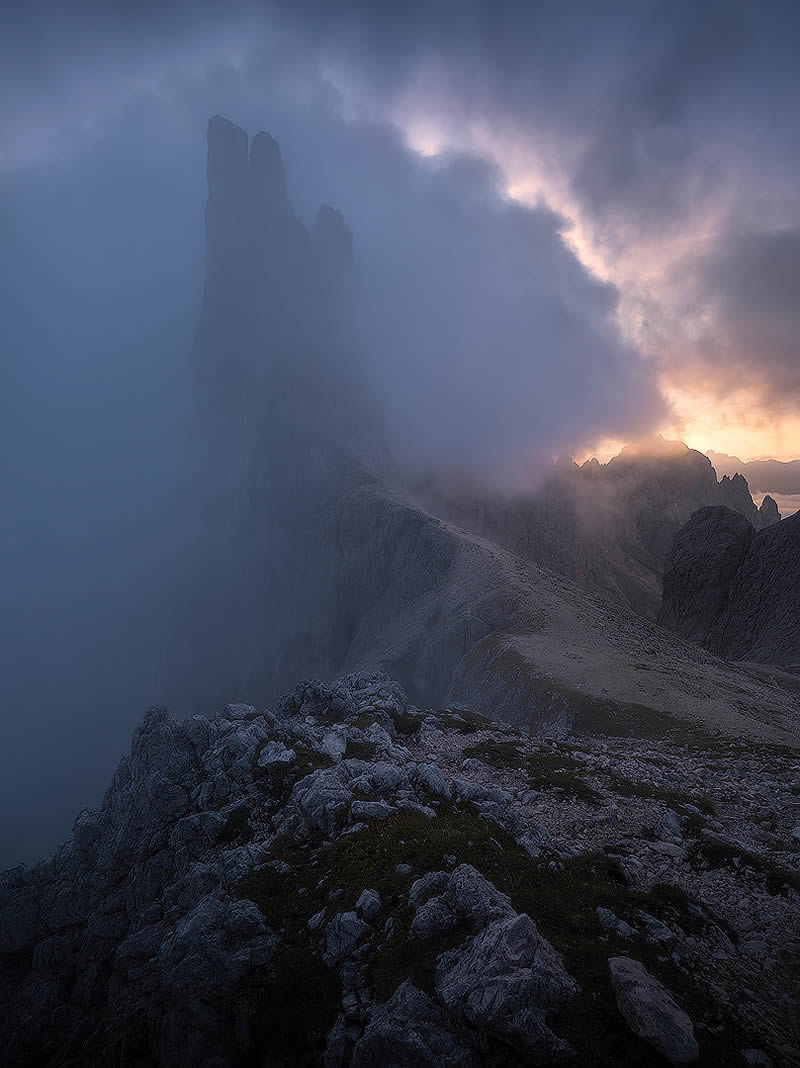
[734, 589]
[274, 348]
[704, 559]
[282, 427]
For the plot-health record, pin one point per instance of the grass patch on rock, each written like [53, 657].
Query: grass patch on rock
[464, 721]
[280, 779]
[360, 750]
[407, 723]
[563, 901]
[672, 798]
[726, 854]
[237, 826]
[545, 770]
[561, 896]
[291, 1008]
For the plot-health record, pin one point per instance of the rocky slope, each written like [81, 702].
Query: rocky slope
[733, 589]
[457, 618]
[350, 881]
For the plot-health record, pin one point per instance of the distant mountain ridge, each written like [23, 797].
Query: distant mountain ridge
[764, 476]
[606, 526]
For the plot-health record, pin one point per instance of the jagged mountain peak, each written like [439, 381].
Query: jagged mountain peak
[267, 172]
[228, 161]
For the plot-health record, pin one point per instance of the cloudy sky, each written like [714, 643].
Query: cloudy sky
[644, 274]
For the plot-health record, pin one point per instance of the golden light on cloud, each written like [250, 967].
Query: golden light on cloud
[736, 424]
[647, 272]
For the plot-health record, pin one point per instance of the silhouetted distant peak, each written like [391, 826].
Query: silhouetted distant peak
[735, 493]
[565, 463]
[655, 446]
[227, 153]
[768, 513]
[332, 238]
[267, 172]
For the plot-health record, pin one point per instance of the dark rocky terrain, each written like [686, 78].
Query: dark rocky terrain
[733, 589]
[348, 880]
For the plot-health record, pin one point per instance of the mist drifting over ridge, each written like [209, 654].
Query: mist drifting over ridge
[469, 307]
[486, 344]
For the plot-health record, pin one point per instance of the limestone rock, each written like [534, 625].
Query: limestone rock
[505, 981]
[651, 1011]
[410, 1031]
[342, 935]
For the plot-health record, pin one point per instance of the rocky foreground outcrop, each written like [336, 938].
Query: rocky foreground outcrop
[347, 880]
[734, 590]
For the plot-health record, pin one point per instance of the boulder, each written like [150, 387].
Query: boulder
[504, 982]
[651, 1011]
[410, 1031]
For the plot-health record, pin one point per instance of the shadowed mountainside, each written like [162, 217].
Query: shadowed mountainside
[734, 590]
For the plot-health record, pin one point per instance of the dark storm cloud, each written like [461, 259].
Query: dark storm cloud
[747, 289]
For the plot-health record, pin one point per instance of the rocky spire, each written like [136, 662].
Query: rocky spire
[227, 156]
[332, 240]
[768, 513]
[267, 174]
[277, 329]
[334, 278]
[735, 493]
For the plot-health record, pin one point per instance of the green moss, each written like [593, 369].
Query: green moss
[237, 826]
[400, 958]
[291, 1009]
[365, 720]
[497, 754]
[545, 770]
[364, 750]
[309, 760]
[694, 823]
[562, 899]
[672, 798]
[406, 723]
[465, 721]
[779, 880]
[280, 779]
